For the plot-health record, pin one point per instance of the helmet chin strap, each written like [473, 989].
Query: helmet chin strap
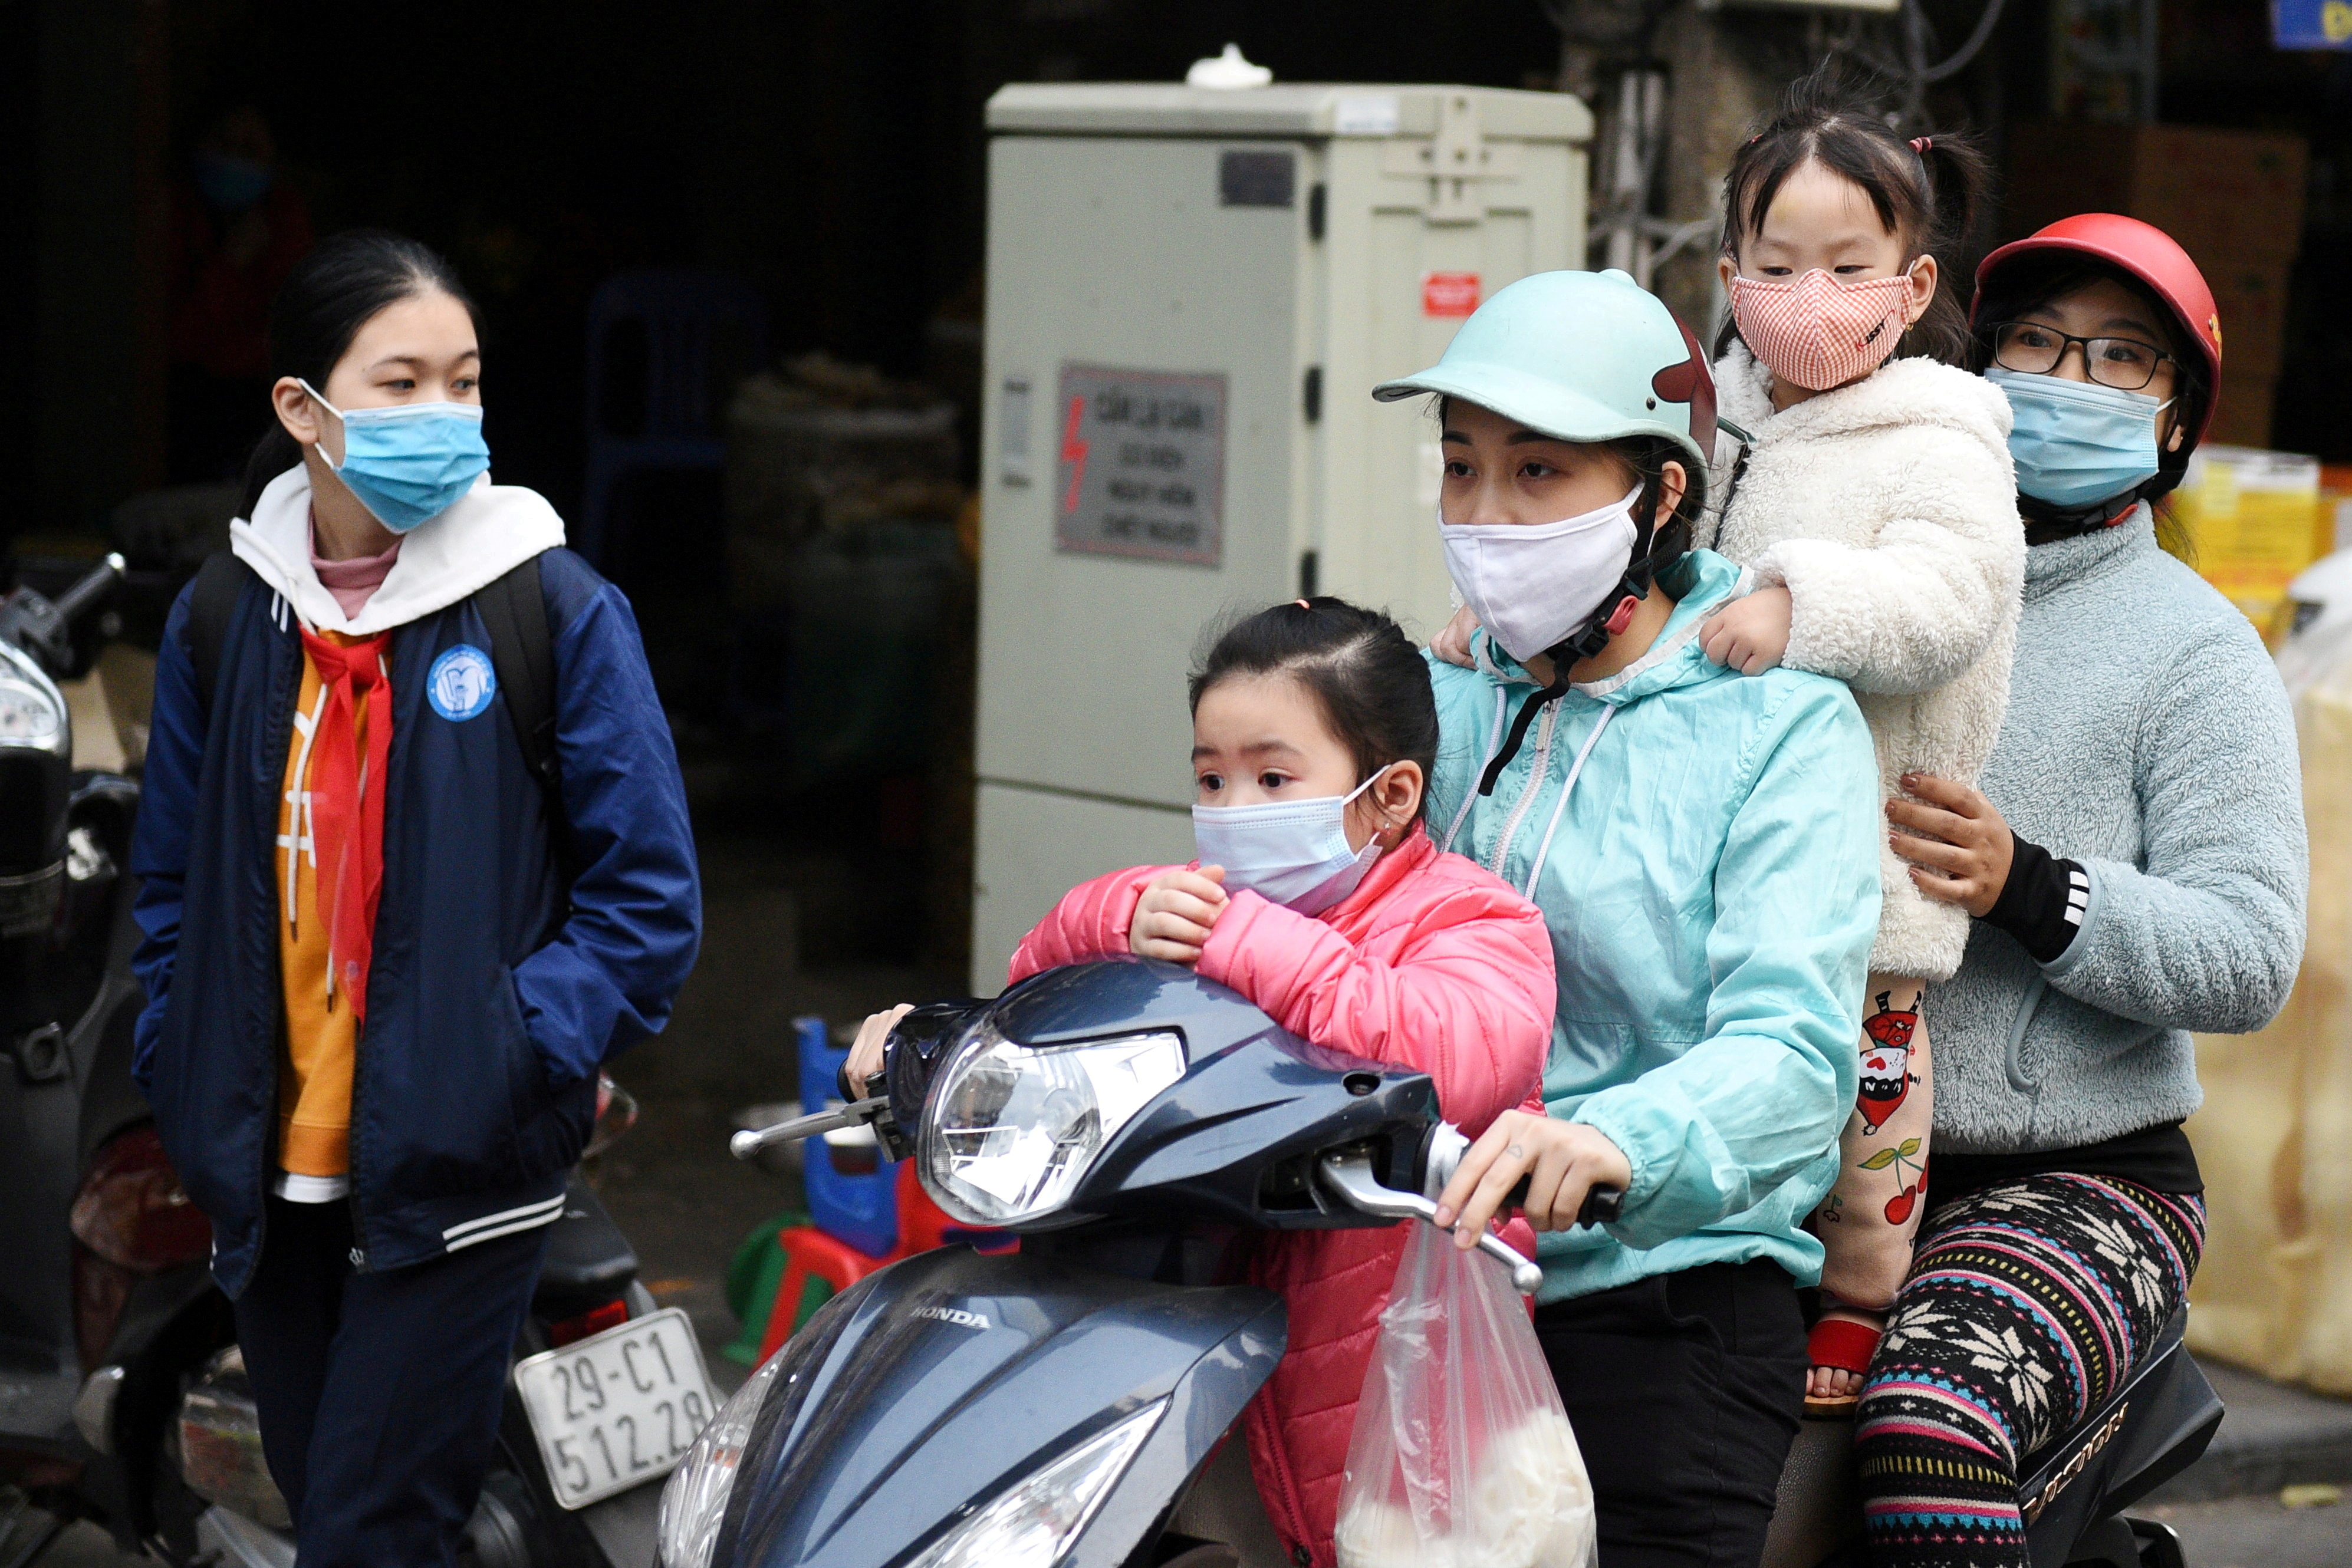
[2054, 522]
[1614, 614]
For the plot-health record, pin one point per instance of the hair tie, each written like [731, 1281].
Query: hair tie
[1755, 139]
[1921, 144]
[1304, 605]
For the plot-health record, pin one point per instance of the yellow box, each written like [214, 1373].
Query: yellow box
[2255, 519]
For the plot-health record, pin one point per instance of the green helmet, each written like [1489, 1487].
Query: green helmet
[1584, 356]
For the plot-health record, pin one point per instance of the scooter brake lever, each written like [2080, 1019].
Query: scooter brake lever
[747, 1145]
[1350, 1178]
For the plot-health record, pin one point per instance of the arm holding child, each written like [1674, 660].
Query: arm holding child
[1928, 596]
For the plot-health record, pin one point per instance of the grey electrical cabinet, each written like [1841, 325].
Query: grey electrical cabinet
[1191, 292]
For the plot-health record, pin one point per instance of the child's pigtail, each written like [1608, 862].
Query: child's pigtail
[1959, 184]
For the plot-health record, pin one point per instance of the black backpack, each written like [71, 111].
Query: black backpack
[522, 655]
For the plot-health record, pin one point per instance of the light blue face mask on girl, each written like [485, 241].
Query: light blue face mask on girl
[2077, 443]
[409, 463]
[1292, 852]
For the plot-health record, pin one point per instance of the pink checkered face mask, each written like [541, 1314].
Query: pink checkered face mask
[1820, 331]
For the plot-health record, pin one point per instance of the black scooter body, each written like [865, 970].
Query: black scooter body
[2152, 1428]
[931, 1387]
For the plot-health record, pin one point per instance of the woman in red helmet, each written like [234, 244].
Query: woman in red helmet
[2135, 863]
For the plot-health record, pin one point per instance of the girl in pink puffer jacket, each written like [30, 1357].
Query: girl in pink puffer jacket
[1318, 897]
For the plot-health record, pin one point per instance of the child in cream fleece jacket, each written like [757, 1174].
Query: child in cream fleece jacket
[1874, 499]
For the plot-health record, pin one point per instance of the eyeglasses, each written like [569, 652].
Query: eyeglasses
[2125, 364]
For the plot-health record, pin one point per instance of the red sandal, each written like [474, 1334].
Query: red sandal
[1846, 1345]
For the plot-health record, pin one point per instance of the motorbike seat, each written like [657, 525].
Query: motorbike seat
[589, 1261]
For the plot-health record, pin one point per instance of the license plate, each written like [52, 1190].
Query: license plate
[616, 1408]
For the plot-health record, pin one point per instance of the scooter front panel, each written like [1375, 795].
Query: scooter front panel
[951, 1376]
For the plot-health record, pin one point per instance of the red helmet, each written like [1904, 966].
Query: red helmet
[2148, 255]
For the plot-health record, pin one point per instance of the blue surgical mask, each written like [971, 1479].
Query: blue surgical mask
[409, 463]
[1292, 852]
[2077, 443]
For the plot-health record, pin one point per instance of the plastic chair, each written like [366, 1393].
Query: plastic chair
[807, 1268]
[817, 1268]
[857, 1207]
[685, 312]
[923, 1224]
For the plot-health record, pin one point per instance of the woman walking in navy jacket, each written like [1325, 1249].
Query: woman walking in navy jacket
[385, 948]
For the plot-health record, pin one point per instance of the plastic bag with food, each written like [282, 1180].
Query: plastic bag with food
[1462, 1453]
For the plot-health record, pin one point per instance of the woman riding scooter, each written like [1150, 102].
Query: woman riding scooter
[1704, 846]
[2135, 865]
[384, 954]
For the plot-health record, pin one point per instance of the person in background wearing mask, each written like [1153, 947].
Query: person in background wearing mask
[1704, 846]
[383, 956]
[2134, 865]
[1318, 897]
[237, 229]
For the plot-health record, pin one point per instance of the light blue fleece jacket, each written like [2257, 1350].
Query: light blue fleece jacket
[1704, 848]
[2148, 740]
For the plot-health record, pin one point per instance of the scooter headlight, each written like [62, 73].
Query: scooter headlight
[1010, 1129]
[1033, 1525]
[694, 1503]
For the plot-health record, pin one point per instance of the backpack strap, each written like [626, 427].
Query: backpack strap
[522, 656]
[220, 582]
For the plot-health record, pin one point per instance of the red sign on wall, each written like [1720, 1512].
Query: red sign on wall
[1449, 293]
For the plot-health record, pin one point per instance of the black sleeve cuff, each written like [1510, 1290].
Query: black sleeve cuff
[2041, 904]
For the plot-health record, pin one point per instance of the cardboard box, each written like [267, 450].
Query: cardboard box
[2228, 196]
[2249, 297]
[2243, 416]
[2333, 532]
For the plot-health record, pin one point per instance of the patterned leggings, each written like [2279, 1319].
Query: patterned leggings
[2027, 1304]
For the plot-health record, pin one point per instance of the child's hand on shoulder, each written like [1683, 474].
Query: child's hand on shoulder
[1750, 634]
[1452, 642]
[1173, 916]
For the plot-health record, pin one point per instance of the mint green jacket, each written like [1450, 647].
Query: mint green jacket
[1705, 849]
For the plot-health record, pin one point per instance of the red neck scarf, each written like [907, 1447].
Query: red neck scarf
[347, 804]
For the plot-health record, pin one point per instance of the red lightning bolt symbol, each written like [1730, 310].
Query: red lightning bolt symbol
[1074, 453]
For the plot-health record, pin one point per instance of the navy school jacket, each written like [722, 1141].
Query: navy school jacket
[492, 996]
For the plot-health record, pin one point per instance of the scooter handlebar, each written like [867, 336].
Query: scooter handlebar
[1602, 1204]
[90, 587]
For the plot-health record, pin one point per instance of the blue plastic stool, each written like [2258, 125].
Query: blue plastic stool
[846, 1200]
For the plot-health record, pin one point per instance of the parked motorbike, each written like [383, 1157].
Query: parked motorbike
[124, 1399]
[1052, 1408]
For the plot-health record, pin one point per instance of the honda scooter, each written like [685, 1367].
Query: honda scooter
[124, 1399]
[1053, 1408]
[1130, 1120]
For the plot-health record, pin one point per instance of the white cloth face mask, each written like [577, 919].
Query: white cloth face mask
[1292, 852]
[1531, 584]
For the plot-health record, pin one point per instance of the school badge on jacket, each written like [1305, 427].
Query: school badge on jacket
[461, 682]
